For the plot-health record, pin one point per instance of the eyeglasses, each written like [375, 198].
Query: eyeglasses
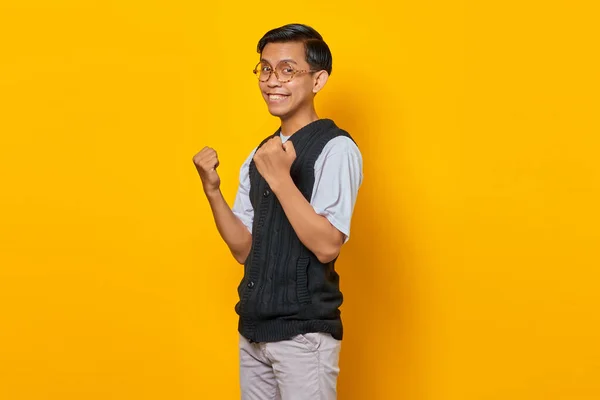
[284, 71]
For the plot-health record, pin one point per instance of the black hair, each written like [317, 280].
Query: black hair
[318, 55]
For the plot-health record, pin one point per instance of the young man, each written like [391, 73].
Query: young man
[290, 218]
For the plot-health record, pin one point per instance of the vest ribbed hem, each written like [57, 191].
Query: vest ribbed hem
[280, 329]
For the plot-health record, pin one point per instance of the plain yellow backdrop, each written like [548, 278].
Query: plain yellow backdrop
[472, 268]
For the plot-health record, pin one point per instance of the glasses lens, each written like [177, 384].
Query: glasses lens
[285, 72]
[262, 71]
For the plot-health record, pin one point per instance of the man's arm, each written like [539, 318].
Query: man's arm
[338, 176]
[313, 230]
[232, 230]
[273, 160]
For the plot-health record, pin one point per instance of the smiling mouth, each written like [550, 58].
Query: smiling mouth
[277, 97]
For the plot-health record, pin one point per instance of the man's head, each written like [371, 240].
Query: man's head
[295, 64]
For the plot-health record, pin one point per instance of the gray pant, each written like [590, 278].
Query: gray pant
[304, 367]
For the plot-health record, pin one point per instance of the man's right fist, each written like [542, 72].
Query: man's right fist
[206, 162]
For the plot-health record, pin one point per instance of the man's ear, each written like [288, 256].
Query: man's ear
[320, 80]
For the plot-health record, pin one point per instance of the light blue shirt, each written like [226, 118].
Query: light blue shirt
[338, 176]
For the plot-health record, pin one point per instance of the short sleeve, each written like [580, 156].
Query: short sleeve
[338, 176]
[242, 207]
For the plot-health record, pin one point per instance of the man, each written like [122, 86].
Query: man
[290, 218]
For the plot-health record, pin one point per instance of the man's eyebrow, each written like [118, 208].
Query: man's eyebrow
[285, 60]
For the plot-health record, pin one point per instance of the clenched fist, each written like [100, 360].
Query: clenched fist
[274, 160]
[206, 162]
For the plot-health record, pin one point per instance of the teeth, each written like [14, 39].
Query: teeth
[276, 97]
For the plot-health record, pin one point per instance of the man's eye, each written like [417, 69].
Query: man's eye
[266, 69]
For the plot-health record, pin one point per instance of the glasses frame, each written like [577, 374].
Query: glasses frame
[274, 70]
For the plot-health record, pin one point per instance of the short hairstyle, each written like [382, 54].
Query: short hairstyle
[318, 55]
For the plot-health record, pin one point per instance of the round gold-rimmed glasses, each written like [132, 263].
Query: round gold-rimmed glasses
[284, 71]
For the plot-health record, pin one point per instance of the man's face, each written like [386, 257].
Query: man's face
[285, 99]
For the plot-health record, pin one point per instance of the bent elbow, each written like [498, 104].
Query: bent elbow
[330, 250]
[328, 256]
[240, 253]
[241, 257]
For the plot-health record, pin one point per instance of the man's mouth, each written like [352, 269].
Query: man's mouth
[277, 97]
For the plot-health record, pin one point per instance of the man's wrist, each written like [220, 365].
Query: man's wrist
[280, 185]
[213, 193]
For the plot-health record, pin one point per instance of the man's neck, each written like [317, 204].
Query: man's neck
[291, 125]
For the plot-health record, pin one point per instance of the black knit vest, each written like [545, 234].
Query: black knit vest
[286, 290]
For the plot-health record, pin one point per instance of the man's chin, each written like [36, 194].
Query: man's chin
[277, 112]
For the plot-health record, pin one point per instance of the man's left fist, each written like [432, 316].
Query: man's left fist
[274, 160]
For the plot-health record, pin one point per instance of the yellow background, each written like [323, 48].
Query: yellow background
[472, 270]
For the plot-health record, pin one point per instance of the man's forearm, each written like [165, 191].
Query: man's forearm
[232, 230]
[313, 230]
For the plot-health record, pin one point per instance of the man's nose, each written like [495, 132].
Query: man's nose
[273, 81]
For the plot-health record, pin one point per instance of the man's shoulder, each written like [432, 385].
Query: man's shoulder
[336, 132]
[341, 146]
[340, 141]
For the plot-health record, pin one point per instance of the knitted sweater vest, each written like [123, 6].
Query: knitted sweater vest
[286, 290]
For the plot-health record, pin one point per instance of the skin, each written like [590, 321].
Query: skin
[273, 161]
